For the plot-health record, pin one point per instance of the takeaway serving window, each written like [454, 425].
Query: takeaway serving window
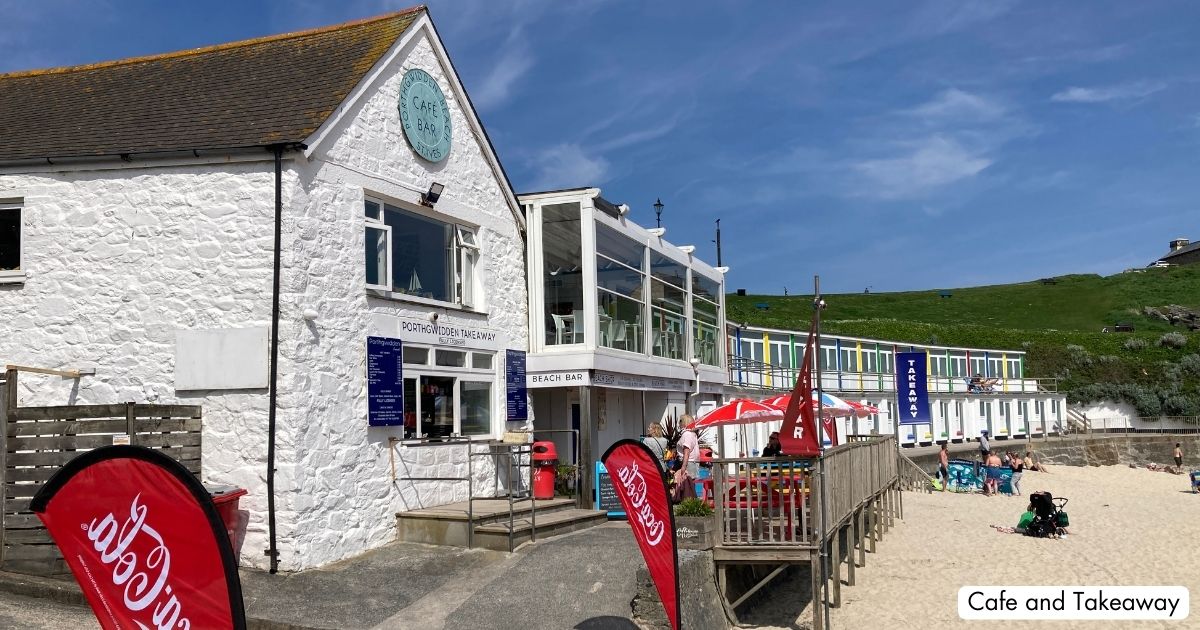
[448, 392]
[11, 269]
[413, 254]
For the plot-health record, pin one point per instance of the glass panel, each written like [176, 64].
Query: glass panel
[704, 330]
[410, 408]
[619, 248]
[481, 360]
[668, 270]
[372, 209]
[705, 287]
[422, 255]
[618, 278]
[450, 358]
[376, 251]
[476, 408]
[619, 322]
[10, 239]
[437, 405]
[466, 279]
[562, 273]
[667, 322]
[416, 356]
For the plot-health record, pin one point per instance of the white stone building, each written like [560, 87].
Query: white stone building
[137, 237]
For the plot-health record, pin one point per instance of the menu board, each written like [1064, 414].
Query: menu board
[606, 495]
[385, 382]
[514, 386]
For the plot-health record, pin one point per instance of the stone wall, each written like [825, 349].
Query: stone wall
[1090, 450]
[701, 605]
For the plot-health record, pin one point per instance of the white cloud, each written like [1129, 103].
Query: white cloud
[932, 163]
[567, 166]
[954, 104]
[1124, 91]
[514, 61]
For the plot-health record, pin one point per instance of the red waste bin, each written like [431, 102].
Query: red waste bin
[226, 500]
[545, 461]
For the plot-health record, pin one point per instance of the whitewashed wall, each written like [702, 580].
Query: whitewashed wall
[340, 498]
[119, 260]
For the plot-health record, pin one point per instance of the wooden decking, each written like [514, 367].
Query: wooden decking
[787, 512]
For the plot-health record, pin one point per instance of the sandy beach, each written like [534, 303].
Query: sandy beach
[1129, 526]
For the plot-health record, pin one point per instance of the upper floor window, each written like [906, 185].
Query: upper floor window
[419, 255]
[11, 267]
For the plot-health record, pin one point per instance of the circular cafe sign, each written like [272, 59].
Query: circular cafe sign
[425, 117]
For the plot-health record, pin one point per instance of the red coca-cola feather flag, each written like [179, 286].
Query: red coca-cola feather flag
[639, 482]
[801, 438]
[144, 541]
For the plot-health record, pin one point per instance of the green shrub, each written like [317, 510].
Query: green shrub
[1173, 340]
[693, 507]
[1135, 345]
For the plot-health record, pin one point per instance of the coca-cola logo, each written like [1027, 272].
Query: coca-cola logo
[141, 567]
[635, 488]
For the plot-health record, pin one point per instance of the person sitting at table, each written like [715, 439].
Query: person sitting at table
[773, 448]
[975, 385]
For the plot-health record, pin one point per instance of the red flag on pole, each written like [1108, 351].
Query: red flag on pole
[800, 438]
[641, 485]
[144, 541]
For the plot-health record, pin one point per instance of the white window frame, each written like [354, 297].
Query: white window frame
[386, 285]
[16, 276]
[467, 373]
[468, 292]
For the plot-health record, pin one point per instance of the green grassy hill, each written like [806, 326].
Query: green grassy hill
[1059, 323]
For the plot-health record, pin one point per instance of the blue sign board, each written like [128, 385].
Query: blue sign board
[606, 495]
[912, 388]
[516, 394]
[385, 382]
[424, 115]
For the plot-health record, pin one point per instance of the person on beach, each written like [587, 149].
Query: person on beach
[689, 453]
[991, 484]
[944, 466]
[1030, 464]
[1017, 466]
[1178, 456]
[773, 448]
[656, 441]
[984, 447]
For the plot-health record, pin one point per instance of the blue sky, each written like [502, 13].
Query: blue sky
[895, 145]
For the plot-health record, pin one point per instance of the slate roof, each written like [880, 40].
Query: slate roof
[258, 92]
[1186, 249]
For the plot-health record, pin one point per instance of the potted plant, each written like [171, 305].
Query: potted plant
[565, 476]
[694, 524]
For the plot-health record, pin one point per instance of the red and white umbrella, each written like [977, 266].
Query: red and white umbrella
[862, 410]
[833, 407]
[738, 411]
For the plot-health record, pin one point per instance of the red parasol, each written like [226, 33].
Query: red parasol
[862, 410]
[738, 411]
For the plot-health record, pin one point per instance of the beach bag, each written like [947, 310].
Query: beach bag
[1026, 520]
[1062, 519]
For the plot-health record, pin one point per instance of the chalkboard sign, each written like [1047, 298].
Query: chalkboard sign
[385, 382]
[606, 495]
[515, 390]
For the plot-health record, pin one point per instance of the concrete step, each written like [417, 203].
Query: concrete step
[495, 535]
[447, 524]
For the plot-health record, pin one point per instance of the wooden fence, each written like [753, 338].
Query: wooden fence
[769, 511]
[39, 440]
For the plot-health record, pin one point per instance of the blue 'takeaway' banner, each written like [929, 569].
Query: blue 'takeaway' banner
[912, 388]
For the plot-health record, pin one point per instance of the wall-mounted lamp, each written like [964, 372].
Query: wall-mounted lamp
[722, 269]
[623, 209]
[309, 314]
[657, 231]
[687, 249]
[695, 363]
[431, 197]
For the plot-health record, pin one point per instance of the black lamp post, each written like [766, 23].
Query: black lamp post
[658, 206]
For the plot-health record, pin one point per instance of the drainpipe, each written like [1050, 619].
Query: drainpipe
[273, 551]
